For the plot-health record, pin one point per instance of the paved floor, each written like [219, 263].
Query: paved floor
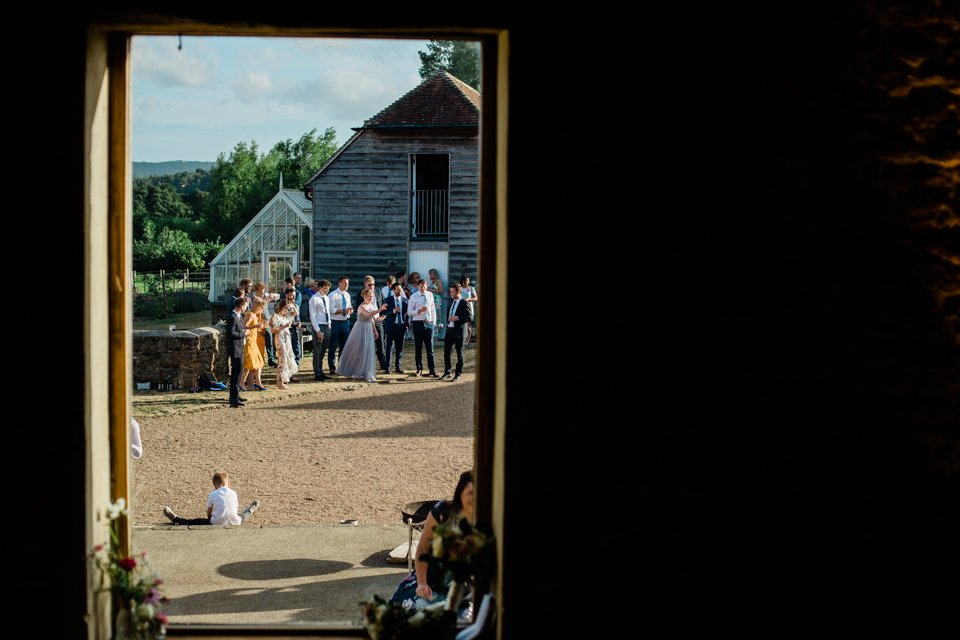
[252, 574]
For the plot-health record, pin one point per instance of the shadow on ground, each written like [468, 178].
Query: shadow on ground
[318, 601]
[377, 559]
[280, 569]
[437, 425]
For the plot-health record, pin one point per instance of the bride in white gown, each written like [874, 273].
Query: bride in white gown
[358, 359]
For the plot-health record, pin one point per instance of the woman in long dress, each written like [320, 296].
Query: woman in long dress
[436, 288]
[283, 317]
[252, 356]
[358, 359]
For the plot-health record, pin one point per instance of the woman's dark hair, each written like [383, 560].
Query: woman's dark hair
[463, 280]
[465, 478]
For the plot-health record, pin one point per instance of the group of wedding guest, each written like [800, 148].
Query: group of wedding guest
[270, 325]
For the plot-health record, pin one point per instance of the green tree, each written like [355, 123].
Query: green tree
[172, 249]
[460, 58]
[180, 221]
[242, 182]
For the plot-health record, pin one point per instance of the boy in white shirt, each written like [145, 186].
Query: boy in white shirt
[222, 505]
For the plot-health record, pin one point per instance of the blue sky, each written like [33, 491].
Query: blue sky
[194, 103]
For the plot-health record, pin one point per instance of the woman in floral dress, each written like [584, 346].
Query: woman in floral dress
[436, 288]
[283, 316]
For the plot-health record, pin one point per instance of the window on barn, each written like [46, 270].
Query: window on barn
[429, 195]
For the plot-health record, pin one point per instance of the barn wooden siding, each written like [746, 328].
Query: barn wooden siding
[361, 205]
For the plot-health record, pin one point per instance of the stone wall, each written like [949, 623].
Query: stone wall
[178, 357]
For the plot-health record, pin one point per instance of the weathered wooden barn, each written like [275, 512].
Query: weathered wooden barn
[402, 193]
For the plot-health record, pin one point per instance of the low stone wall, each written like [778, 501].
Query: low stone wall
[176, 358]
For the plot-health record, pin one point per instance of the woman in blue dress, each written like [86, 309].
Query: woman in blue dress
[426, 584]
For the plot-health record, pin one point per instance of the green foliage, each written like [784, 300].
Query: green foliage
[185, 182]
[155, 299]
[181, 221]
[189, 301]
[242, 182]
[147, 169]
[458, 57]
[171, 247]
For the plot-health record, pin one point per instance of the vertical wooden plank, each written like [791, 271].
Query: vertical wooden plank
[119, 270]
[490, 399]
[95, 336]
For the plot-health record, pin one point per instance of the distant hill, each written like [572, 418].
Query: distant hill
[145, 169]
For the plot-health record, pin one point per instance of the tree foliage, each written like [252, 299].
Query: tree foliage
[458, 57]
[182, 220]
[243, 181]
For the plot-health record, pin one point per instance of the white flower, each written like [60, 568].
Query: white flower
[116, 509]
[146, 611]
[417, 619]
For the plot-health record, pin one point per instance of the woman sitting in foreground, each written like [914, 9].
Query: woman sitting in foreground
[427, 585]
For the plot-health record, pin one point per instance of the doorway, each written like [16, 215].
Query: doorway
[277, 267]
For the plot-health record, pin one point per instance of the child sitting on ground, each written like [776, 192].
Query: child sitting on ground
[222, 505]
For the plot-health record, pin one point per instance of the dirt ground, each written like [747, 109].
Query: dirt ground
[316, 453]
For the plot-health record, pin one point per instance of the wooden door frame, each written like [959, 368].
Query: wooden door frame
[108, 316]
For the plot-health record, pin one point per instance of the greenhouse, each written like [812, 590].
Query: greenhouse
[274, 245]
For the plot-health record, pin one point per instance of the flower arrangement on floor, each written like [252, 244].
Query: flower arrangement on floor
[466, 555]
[132, 582]
[390, 621]
[463, 552]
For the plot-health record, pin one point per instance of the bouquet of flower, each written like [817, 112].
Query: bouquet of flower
[390, 621]
[462, 551]
[133, 583]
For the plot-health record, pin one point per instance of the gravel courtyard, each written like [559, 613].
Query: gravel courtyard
[316, 453]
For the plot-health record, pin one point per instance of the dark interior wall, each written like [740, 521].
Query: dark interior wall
[757, 421]
[755, 426]
[49, 553]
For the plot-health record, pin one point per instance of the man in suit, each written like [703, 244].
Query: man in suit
[370, 283]
[340, 310]
[320, 323]
[459, 315]
[395, 325]
[236, 336]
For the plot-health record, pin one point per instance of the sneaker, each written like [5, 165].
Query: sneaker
[456, 378]
[249, 510]
[167, 511]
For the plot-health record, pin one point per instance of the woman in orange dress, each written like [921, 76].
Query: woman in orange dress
[252, 356]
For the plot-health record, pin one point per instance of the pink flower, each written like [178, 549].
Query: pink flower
[157, 582]
[161, 617]
[152, 597]
[98, 548]
[127, 564]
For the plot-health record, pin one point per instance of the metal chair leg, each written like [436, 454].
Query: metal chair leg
[410, 544]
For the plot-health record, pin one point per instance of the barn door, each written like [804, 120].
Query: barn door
[277, 266]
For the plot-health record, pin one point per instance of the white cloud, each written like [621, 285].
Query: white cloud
[152, 104]
[253, 86]
[160, 61]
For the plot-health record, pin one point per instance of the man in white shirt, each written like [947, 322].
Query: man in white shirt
[320, 324]
[340, 310]
[222, 505]
[423, 314]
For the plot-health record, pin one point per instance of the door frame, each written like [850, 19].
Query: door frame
[265, 264]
